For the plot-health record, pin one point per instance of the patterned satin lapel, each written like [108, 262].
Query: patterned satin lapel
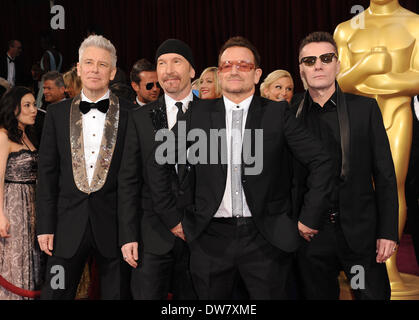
[107, 146]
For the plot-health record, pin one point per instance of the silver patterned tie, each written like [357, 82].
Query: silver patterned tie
[235, 163]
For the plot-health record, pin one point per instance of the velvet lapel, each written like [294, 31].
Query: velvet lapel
[107, 146]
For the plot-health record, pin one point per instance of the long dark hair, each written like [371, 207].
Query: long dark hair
[8, 119]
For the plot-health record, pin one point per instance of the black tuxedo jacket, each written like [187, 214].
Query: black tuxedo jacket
[412, 180]
[368, 200]
[19, 75]
[137, 220]
[267, 193]
[63, 209]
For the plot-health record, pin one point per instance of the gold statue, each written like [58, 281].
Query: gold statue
[380, 59]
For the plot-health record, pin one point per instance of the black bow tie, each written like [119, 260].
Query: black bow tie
[10, 59]
[102, 106]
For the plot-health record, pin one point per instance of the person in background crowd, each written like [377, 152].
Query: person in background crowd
[209, 87]
[144, 82]
[278, 86]
[54, 88]
[11, 72]
[72, 83]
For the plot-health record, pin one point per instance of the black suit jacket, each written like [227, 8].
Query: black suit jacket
[368, 201]
[62, 208]
[137, 220]
[267, 193]
[412, 179]
[19, 75]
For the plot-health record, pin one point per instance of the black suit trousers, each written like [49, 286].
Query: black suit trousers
[158, 275]
[113, 273]
[232, 248]
[321, 260]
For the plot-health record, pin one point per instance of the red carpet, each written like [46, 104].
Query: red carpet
[406, 259]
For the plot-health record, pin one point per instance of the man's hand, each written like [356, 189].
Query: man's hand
[306, 232]
[130, 253]
[385, 249]
[46, 243]
[178, 231]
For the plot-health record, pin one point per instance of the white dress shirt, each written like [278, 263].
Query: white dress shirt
[172, 110]
[93, 125]
[225, 209]
[10, 71]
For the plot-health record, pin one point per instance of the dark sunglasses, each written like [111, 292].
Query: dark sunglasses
[239, 65]
[324, 58]
[150, 85]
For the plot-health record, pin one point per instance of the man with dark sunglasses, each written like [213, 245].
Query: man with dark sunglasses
[239, 225]
[144, 82]
[152, 243]
[358, 231]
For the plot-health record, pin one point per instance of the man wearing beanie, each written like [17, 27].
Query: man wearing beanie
[154, 245]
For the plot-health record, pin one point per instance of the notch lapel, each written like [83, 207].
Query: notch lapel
[218, 121]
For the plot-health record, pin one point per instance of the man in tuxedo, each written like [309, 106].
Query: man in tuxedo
[239, 224]
[144, 82]
[412, 181]
[358, 232]
[152, 243]
[80, 156]
[10, 69]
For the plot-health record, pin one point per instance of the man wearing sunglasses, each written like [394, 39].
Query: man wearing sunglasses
[239, 224]
[144, 82]
[358, 232]
[153, 244]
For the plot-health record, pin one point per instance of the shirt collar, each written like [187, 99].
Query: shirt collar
[244, 105]
[84, 98]
[139, 102]
[331, 103]
[170, 102]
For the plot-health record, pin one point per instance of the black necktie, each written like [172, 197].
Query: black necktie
[102, 106]
[180, 112]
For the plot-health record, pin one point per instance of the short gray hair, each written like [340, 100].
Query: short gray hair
[54, 76]
[98, 42]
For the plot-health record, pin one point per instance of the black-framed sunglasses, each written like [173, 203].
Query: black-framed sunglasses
[150, 85]
[324, 58]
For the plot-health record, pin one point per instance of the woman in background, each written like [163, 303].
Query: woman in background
[209, 87]
[278, 86]
[19, 251]
[72, 82]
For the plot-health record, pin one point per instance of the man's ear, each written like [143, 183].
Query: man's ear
[135, 86]
[78, 69]
[113, 73]
[258, 74]
[192, 72]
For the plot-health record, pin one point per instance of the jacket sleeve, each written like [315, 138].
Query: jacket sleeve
[384, 178]
[310, 152]
[130, 181]
[48, 175]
